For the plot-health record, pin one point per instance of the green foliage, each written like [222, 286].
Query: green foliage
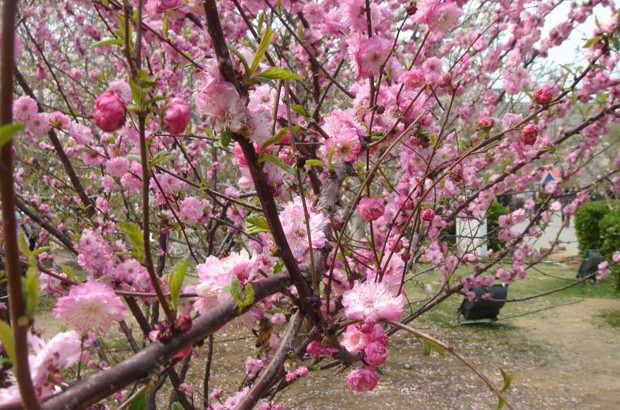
[7, 132]
[495, 211]
[139, 402]
[176, 281]
[134, 233]
[609, 227]
[236, 291]
[6, 336]
[587, 219]
[256, 223]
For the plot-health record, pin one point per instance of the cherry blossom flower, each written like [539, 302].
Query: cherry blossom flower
[529, 134]
[294, 226]
[90, 306]
[109, 111]
[375, 354]
[362, 380]
[370, 209]
[372, 302]
[176, 116]
[371, 53]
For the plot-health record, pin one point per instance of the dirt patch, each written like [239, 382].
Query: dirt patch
[565, 357]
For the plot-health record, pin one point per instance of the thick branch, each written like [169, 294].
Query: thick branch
[19, 321]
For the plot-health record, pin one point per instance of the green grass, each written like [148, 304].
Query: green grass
[540, 279]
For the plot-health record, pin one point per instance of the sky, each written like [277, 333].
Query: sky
[568, 53]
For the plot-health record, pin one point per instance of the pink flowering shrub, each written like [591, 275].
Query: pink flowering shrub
[334, 155]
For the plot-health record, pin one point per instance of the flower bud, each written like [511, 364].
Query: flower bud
[109, 111]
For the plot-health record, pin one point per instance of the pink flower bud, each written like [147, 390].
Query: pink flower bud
[109, 112]
[362, 380]
[542, 96]
[428, 215]
[529, 134]
[176, 116]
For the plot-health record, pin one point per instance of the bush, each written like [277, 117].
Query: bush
[587, 219]
[609, 227]
[495, 211]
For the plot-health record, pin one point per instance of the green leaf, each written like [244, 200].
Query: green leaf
[262, 49]
[315, 163]
[241, 58]
[139, 402]
[500, 404]
[31, 289]
[134, 233]
[140, 87]
[592, 41]
[6, 335]
[165, 27]
[278, 266]
[237, 294]
[428, 346]
[108, 42]
[507, 379]
[226, 138]
[279, 73]
[8, 131]
[176, 281]
[161, 156]
[277, 161]
[176, 406]
[256, 223]
[30, 283]
[300, 110]
[275, 139]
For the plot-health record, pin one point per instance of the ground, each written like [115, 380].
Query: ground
[563, 351]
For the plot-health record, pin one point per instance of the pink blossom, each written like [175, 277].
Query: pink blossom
[253, 366]
[297, 373]
[109, 111]
[95, 253]
[371, 302]
[215, 274]
[220, 103]
[412, 78]
[616, 256]
[362, 380]
[486, 123]
[24, 108]
[192, 210]
[117, 167]
[345, 144]
[375, 354]
[543, 96]
[122, 89]
[603, 270]
[371, 54]
[370, 209]
[176, 116]
[529, 134]
[504, 275]
[90, 306]
[316, 349]
[294, 225]
[432, 69]
[427, 215]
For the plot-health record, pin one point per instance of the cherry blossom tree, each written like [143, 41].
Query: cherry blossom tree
[287, 166]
